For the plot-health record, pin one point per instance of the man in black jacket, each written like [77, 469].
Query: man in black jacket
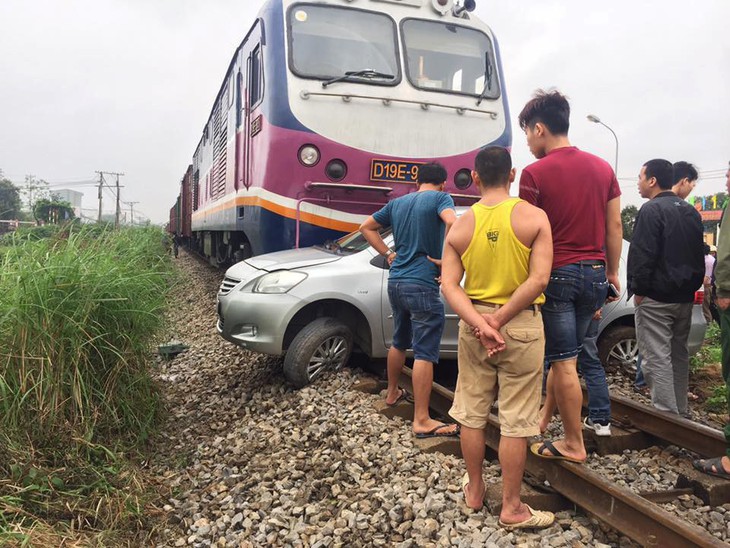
[665, 268]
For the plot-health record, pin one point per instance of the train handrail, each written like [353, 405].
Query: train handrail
[425, 105]
[349, 186]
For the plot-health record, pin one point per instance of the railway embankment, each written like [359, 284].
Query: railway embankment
[79, 310]
[248, 461]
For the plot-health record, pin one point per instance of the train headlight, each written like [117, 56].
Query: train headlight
[309, 155]
[336, 170]
[462, 179]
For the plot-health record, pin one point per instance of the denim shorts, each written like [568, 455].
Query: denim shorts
[573, 295]
[418, 317]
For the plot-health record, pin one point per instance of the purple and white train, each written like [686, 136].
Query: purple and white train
[327, 110]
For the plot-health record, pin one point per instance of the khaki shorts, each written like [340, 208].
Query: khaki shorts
[514, 376]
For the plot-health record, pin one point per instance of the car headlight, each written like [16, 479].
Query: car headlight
[278, 282]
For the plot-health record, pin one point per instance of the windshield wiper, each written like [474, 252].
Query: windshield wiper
[488, 73]
[364, 73]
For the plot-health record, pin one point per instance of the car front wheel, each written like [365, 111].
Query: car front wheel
[325, 343]
[618, 345]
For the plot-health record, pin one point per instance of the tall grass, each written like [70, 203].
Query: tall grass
[78, 314]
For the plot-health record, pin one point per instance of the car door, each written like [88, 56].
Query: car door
[450, 338]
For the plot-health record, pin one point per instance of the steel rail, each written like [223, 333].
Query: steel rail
[620, 508]
[667, 427]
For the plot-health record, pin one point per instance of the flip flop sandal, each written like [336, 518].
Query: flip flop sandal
[538, 449]
[404, 395]
[712, 467]
[434, 433]
[537, 519]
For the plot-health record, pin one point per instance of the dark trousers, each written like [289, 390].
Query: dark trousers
[725, 340]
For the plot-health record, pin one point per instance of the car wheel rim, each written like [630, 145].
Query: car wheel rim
[330, 354]
[626, 353]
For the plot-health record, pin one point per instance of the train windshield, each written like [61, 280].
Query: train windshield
[449, 58]
[327, 42]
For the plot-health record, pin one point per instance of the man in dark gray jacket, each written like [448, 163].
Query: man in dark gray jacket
[665, 268]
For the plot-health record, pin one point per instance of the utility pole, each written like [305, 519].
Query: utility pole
[30, 186]
[116, 219]
[131, 209]
[101, 184]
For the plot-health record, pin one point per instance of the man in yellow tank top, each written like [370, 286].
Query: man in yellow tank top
[504, 247]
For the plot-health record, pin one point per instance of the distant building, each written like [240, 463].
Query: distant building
[73, 197]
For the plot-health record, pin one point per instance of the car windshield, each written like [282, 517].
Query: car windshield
[328, 41]
[354, 242]
[449, 58]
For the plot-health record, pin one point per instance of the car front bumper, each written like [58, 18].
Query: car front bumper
[256, 321]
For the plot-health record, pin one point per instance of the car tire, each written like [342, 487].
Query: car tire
[618, 345]
[325, 343]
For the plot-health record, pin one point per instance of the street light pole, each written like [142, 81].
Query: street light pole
[596, 120]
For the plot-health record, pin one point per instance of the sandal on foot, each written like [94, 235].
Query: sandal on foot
[537, 519]
[464, 483]
[404, 395]
[712, 467]
[539, 450]
[434, 432]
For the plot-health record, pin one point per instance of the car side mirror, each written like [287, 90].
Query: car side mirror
[380, 262]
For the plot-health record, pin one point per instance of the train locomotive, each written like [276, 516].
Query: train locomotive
[325, 113]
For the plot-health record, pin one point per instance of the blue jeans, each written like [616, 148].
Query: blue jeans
[573, 295]
[639, 382]
[418, 318]
[591, 368]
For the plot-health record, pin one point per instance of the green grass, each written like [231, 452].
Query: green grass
[710, 352]
[79, 310]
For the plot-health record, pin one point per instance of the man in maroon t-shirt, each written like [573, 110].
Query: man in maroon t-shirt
[580, 194]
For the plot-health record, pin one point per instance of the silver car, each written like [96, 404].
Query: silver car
[617, 331]
[319, 304]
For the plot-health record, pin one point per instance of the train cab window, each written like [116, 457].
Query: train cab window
[256, 78]
[326, 42]
[449, 58]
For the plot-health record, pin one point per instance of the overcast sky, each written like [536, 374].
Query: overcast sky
[126, 86]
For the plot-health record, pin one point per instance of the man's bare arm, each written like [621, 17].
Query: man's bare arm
[448, 216]
[370, 229]
[614, 237]
[541, 263]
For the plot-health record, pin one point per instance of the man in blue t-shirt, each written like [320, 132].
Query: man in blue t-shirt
[419, 221]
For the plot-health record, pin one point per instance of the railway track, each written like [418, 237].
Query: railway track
[638, 517]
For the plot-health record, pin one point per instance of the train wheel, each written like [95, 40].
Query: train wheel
[325, 343]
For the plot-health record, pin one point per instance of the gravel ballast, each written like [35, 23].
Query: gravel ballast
[250, 461]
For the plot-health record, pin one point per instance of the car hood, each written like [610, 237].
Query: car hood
[291, 259]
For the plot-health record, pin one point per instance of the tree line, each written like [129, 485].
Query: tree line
[43, 205]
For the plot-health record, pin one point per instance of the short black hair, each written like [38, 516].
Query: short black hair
[707, 249]
[493, 165]
[684, 170]
[662, 171]
[551, 108]
[432, 174]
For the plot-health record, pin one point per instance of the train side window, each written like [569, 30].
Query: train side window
[256, 78]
